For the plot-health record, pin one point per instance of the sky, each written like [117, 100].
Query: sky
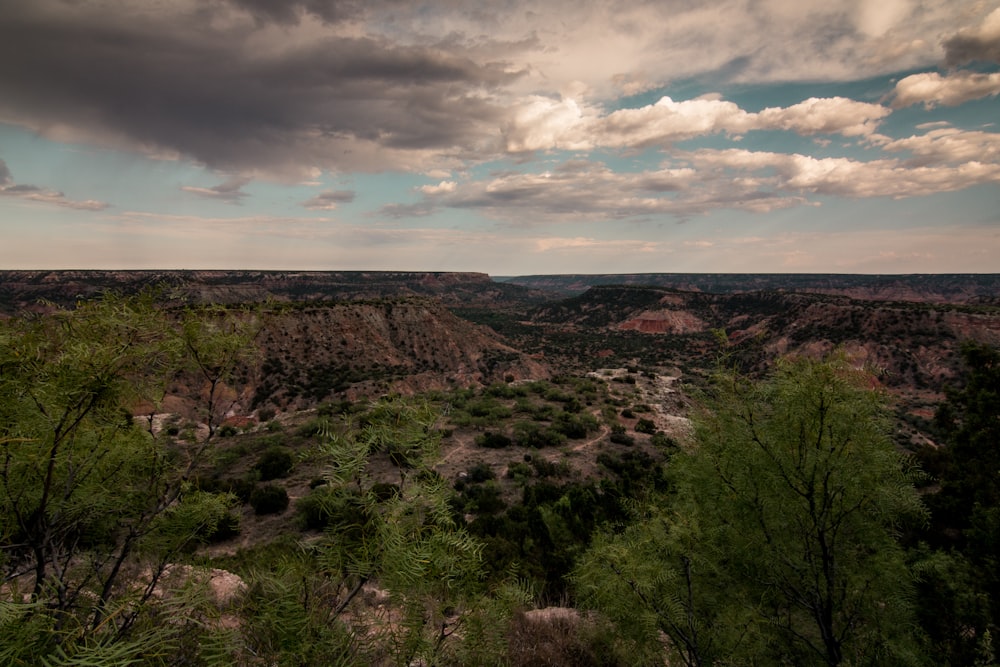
[507, 137]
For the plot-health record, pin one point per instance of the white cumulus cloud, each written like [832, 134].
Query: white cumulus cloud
[930, 88]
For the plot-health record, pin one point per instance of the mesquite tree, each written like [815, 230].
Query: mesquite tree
[93, 507]
[778, 544]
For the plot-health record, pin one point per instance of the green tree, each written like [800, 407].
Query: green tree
[779, 543]
[92, 507]
[218, 344]
[399, 539]
[960, 590]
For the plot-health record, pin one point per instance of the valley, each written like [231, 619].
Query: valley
[539, 419]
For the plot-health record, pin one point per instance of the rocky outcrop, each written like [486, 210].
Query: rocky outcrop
[663, 321]
[311, 353]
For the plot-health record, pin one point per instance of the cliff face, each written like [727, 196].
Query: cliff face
[914, 345]
[354, 349]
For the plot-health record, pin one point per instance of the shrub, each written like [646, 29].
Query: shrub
[493, 440]
[568, 639]
[274, 463]
[228, 527]
[529, 434]
[518, 469]
[312, 428]
[481, 472]
[574, 426]
[645, 426]
[484, 498]
[327, 506]
[663, 441]
[622, 439]
[269, 499]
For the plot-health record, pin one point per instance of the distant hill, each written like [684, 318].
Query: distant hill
[927, 288]
[25, 289]
[353, 349]
[915, 345]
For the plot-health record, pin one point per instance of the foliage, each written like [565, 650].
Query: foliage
[532, 435]
[92, 507]
[961, 569]
[492, 440]
[218, 344]
[779, 543]
[570, 641]
[645, 426]
[269, 499]
[274, 463]
[406, 541]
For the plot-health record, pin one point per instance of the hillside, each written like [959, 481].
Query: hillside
[914, 344]
[926, 288]
[24, 289]
[312, 352]
[528, 427]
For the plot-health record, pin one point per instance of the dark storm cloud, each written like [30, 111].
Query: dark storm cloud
[5, 176]
[219, 97]
[290, 11]
[962, 49]
[980, 43]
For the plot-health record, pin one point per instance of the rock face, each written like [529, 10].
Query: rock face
[663, 321]
[913, 345]
[352, 349]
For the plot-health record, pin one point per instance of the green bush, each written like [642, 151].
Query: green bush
[622, 439]
[274, 463]
[492, 440]
[228, 527]
[519, 470]
[327, 506]
[663, 441]
[529, 434]
[269, 499]
[481, 472]
[645, 426]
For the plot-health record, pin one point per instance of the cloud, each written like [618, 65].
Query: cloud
[850, 178]
[239, 97]
[283, 89]
[981, 43]
[581, 191]
[329, 200]
[946, 145]
[833, 115]
[578, 244]
[930, 88]
[943, 159]
[229, 191]
[290, 12]
[35, 193]
[440, 188]
[544, 124]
